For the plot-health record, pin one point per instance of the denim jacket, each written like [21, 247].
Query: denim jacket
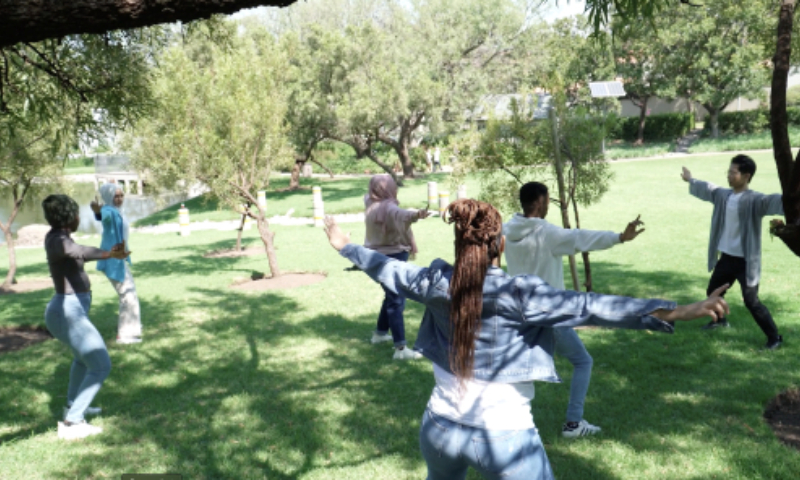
[515, 341]
[114, 268]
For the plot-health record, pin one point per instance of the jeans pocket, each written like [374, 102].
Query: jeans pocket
[502, 452]
[434, 433]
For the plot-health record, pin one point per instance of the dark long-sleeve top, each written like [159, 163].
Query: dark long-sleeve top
[65, 259]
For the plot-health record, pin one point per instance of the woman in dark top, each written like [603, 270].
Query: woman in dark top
[67, 312]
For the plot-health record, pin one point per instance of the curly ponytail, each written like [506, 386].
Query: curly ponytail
[477, 230]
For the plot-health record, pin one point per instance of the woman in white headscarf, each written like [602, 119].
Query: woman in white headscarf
[389, 232]
[116, 230]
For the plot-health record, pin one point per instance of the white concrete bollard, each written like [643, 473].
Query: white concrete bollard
[462, 192]
[183, 220]
[432, 196]
[319, 206]
[444, 201]
[261, 198]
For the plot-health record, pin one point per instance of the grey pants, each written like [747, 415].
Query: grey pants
[130, 319]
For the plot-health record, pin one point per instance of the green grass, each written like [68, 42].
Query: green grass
[285, 385]
[340, 195]
[617, 150]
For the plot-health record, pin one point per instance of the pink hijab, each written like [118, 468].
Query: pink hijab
[380, 200]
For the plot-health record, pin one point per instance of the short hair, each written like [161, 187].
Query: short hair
[60, 210]
[745, 164]
[530, 193]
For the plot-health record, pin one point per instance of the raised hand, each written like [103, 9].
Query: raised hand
[686, 175]
[631, 231]
[336, 236]
[95, 205]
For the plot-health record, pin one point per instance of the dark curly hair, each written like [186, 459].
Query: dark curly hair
[60, 210]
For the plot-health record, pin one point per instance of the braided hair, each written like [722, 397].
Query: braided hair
[478, 226]
[60, 210]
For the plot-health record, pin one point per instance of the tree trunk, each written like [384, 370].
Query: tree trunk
[294, 180]
[239, 235]
[322, 166]
[26, 21]
[713, 116]
[788, 173]
[587, 266]
[562, 194]
[268, 237]
[12, 259]
[642, 121]
[386, 168]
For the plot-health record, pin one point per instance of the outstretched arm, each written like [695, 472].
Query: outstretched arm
[547, 306]
[698, 188]
[400, 277]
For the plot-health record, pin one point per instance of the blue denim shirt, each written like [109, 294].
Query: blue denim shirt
[515, 342]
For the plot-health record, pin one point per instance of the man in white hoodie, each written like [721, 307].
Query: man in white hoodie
[535, 247]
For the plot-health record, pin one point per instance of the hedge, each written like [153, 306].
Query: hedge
[748, 121]
[664, 126]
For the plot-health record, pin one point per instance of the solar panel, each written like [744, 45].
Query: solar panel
[606, 89]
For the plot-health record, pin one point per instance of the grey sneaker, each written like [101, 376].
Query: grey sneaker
[89, 412]
[582, 429]
[380, 338]
[406, 354]
[76, 431]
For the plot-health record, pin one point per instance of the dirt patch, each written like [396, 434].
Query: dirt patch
[783, 415]
[27, 286]
[233, 253]
[17, 338]
[284, 282]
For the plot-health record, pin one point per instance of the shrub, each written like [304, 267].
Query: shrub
[665, 126]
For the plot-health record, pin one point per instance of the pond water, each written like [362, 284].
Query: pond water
[134, 207]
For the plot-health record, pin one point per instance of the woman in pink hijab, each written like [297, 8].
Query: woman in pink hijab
[389, 232]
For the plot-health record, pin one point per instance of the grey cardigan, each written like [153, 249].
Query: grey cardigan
[753, 206]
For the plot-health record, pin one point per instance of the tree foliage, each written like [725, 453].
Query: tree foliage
[219, 120]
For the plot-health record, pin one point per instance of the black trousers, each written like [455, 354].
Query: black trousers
[730, 269]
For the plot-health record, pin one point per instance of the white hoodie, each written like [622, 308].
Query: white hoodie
[535, 246]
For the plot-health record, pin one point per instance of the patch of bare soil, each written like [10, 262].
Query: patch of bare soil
[284, 282]
[17, 338]
[783, 415]
[27, 286]
[233, 253]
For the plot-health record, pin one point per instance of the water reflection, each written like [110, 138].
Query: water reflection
[134, 208]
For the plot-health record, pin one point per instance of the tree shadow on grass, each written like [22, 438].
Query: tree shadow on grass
[254, 388]
[695, 382]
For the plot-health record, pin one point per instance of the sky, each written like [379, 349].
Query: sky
[564, 8]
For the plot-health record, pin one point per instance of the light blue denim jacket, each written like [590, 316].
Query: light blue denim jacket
[515, 343]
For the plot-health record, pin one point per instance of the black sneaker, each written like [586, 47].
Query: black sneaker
[720, 324]
[774, 344]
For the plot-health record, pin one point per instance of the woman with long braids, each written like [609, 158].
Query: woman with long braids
[489, 337]
[67, 313]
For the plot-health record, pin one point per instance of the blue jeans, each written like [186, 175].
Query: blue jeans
[570, 346]
[67, 319]
[391, 316]
[450, 448]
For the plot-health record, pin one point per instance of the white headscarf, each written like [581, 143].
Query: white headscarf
[107, 192]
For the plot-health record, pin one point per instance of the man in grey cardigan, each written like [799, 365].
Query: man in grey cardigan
[736, 236]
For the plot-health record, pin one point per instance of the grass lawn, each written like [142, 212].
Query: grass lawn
[340, 195]
[285, 385]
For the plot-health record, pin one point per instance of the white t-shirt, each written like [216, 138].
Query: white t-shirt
[481, 404]
[730, 241]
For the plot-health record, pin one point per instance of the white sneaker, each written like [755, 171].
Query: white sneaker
[128, 341]
[406, 354]
[77, 430]
[89, 412]
[583, 429]
[378, 338]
